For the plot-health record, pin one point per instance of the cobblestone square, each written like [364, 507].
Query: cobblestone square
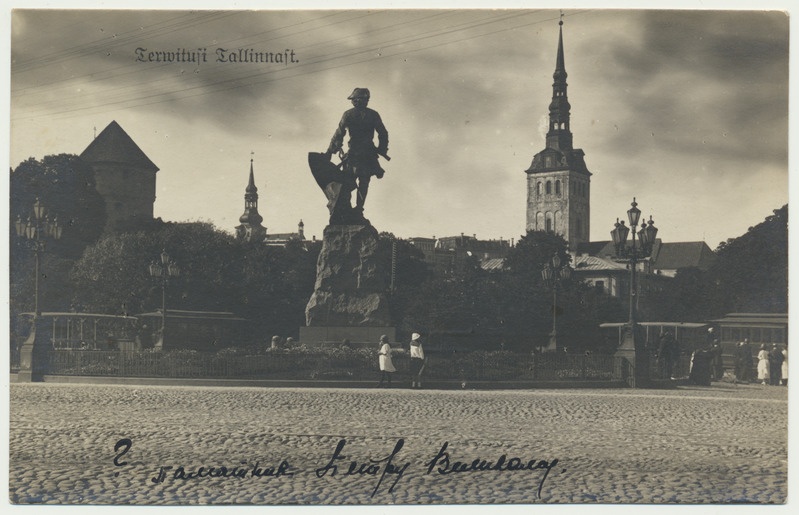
[170, 445]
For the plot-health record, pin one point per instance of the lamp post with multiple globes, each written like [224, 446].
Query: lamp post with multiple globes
[36, 230]
[632, 344]
[553, 274]
[164, 270]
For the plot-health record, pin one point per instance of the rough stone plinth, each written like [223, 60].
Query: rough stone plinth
[351, 280]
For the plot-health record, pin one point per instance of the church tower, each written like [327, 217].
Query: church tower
[251, 229]
[558, 182]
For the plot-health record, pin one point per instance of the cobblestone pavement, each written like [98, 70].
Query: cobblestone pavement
[718, 444]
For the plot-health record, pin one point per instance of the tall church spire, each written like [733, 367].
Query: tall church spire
[559, 135]
[251, 229]
[558, 181]
[251, 188]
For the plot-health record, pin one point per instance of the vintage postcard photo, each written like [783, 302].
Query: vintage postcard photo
[370, 255]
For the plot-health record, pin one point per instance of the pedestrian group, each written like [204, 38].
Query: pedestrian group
[386, 364]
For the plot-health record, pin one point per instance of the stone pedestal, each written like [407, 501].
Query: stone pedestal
[636, 356]
[33, 354]
[351, 284]
[357, 336]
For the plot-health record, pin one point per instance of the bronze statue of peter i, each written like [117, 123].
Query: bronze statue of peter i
[361, 159]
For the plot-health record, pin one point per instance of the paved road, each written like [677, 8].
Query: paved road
[718, 444]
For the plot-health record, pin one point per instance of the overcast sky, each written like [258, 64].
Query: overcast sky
[685, 110]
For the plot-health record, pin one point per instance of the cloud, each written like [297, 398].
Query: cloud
[666, 105]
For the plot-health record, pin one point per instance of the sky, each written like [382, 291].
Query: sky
[687, 111]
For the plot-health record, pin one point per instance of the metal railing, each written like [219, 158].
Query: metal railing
[470, 366]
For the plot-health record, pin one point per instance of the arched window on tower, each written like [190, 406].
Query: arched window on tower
[557, 188]
[550, 225]
[549, 187]
[538, 188]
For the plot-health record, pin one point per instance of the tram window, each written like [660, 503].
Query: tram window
[779, 336]
[756, 335]
[736, 334]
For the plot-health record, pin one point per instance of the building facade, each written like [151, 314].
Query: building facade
[558, 181]
[452, 254]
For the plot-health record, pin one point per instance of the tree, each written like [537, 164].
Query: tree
[532, 251]
[65, 185]
[114, 271]
[685, 298]
[751, 271]
[750, 274]
[268, 286]
[526, 300]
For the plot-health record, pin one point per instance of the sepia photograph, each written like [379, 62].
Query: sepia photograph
[368, 254]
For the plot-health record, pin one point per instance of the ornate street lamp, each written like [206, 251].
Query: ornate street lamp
[554, 273]
[163, 270]
[36, 230]
[632, 346]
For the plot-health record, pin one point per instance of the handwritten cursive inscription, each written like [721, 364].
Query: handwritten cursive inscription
[443, 465]
[371, 468]
[236, 472]
[386, 470]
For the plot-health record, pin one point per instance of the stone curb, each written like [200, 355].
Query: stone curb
[285, 383]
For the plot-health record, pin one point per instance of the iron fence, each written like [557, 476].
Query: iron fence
[469, 366]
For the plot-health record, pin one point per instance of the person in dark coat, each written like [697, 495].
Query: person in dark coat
[739, 364]
[775, 358]
[743, 362]
[668, 354]
[748, 359]
[717, 364]
[700, 367]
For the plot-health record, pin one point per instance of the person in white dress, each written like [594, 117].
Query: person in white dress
[384, 359]
[762, 365]
[785, 366]
[417, 360]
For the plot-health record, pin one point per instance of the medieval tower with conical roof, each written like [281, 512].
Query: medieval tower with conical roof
[125, 178]
[251, 229]
[558, 182]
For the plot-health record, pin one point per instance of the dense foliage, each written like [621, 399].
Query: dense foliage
[267, 285]
[65, 186]
[508, 310]
[750, 274]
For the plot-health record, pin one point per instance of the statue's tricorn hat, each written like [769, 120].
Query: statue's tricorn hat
[359, 92]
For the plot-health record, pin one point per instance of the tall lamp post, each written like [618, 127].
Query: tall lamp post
[632, 345]
[33, 354]
[163, 271]
[553, 273]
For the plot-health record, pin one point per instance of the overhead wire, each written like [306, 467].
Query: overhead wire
[21, 91]
[247, 81]
[234, 79]
[116, 40]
